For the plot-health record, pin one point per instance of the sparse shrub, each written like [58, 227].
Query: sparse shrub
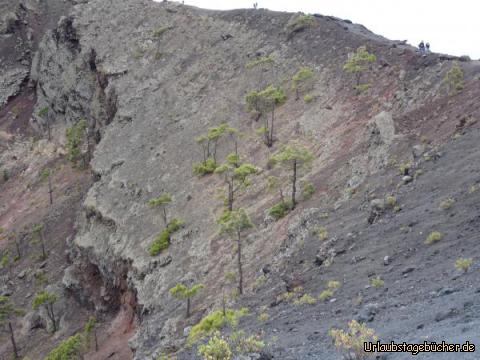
[308, 98]
[160, 31]
[264, 60]
[333, 285]
[75, 138]
[377, 282]
[162, 241]
[300, 23]
[464, 264]
[279, 210]
[259, 282]
[306, 299]
[472, 189]
[404, 168]
[244, 344]
[447, 203]
[263, 317]
[307, 190]
[325, 295]
[321, 233]
[215, 321]
[5, 175]
[161, 202]
[204, 168]
[433, 237]
[217, 348]
[70, 349]
[454, 79]
[391, 201]
[302, 81]
[352, 341]
[362, 88]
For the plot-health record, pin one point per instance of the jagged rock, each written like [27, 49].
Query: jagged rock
[418, 150]
[386, 260]
[367, 313]
[22, 274]
[407, 179]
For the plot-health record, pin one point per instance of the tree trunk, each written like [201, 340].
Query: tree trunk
[224, 303]
[294, 183]
[165, 216]
[188, 308]
[270, 136]
[230, 195]
[17, 246]
[42, 241]
[51, 314]
[12, 339]
[96, 339]
[239, 263]
[50, 191]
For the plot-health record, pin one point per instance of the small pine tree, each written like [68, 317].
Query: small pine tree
[234, 223]
[235, 176]
[183, 292]
[302, 81]
[38, 237]
[455, 79]
[47, 300]
[7, 312]
[75, 139]
[295, 157]
[358, 63]
[46, 174]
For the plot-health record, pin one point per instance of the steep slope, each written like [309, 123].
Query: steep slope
[149, 78]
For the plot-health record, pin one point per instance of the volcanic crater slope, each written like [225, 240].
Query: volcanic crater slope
[394, 158]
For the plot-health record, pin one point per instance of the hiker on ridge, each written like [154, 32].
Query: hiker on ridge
[421, 47]
[427, 48]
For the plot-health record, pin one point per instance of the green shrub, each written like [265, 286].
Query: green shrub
[204, 168]
[321, 233]
[300, 23]
[308, 98]
[391, 201]
[306, 299]
[263, 317]
[160, 31]
[5, 175]
[215, 321]
[454, 79]
[216, 349]
[307, 190]
[333, 285]
[433, 237]
[351, 342]
[463, 264]
[260, 61]
[75, 139]
[377, 282]
[325, 295]
[279, 210]
[69, 349]
[447, 203]
[162, 241]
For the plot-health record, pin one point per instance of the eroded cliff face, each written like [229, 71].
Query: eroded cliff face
[150, 77]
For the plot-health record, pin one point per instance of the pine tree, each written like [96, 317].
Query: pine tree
[183, 292]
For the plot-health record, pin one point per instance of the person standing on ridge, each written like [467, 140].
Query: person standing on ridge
[427, 48]
[421, 47]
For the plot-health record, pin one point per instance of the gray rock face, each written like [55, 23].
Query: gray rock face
[149, 84]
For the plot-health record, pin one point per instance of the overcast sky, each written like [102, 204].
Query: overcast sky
[451, 27]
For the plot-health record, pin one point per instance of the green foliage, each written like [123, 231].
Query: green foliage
[216, 349]
[43, 112]
[308, 98]
[333, 285]
[75, 139]
[5, 175]
[279, 210]
[264, 100]
[264, 60]
[162, 200]
[351, 342]
[306, 299]
[45, 174]
[447, 203]
[69, 349]
[391, 201]
[183, 292]
[160, 31]
[321, 233]
[359, 61]
[357, 64]
[433, 237]
[44, 298]
[235, 221]
[302, 80]
[244, 344]
[464, 264]
[7, 309]
[325, 295]
[377, 282]
[307, 190]
[5, 259]
[204, 168]
[162, 241]
[90, 325]
[300, 23]
[454, 79]
[215, 321]
[293, 153]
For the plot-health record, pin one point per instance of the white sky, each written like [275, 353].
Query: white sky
[451, 27]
